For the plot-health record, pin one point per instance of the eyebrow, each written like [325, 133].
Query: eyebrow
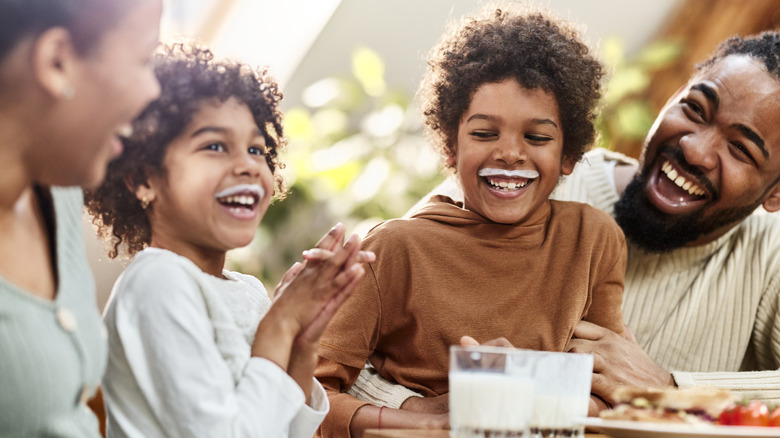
[752, 135]
[493, 118]
[219, 130]
[709, 93]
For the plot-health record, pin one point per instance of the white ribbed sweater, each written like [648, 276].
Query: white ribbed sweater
[707, 313]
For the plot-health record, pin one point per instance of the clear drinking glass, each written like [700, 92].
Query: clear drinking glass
[561, 394]
[500, 392]
[491, 392]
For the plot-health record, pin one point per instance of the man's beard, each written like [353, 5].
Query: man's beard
[656, 231]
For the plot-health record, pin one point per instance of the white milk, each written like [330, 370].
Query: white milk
[490, 401]
[552, 412]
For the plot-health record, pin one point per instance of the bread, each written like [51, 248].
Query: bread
[690, 405]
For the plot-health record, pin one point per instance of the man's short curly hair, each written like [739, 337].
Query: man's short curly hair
[764, 47]
[188, 75]
[511, 41]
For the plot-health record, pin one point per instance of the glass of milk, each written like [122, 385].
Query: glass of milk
[561, 394]
[491, 392]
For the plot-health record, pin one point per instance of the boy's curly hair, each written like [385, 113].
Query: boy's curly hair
[188, 75]
[512, 41]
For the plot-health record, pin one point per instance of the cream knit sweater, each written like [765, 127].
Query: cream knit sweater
[710, 314]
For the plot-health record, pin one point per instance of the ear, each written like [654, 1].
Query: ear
[452, 156]
[567, 165]
[772, 201]
[142, 191]
[54, 62]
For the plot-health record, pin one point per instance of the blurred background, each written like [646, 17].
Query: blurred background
[349, 70]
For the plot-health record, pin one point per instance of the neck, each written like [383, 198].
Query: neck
[16, 175]
[208, 260]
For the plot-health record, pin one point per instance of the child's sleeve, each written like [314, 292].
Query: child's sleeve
[346, 345]
[609, 273]
[161, 328]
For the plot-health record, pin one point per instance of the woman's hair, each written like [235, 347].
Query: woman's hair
[189, 75]
[764, 47]
[86, 20]
[512, 41]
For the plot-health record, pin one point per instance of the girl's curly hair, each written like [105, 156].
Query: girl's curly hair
[188, 75]
[512, 41]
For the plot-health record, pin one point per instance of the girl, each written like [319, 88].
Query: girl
[72, 74]
[189, 353]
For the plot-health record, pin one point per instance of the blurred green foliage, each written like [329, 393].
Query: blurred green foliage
[356, 153]
[624, 112]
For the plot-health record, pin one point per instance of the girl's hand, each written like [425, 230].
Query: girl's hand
[305, 301]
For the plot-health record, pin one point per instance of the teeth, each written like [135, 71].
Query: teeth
[506, 185]
[680, 180]
[243, 200]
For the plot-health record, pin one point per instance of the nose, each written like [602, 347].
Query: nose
[510, 149]
[247, 164]
[701, 148]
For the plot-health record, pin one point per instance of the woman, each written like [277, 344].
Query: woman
[72, 74]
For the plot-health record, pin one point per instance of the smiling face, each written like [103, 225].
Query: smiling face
[111, 84]
[711, 158]
[508, 156]
[217, 184]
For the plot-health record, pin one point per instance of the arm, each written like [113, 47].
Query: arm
[764, 384]
[617, 361]
[167, 337]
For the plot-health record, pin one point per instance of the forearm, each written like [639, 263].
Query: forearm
[274, 338]
[367, 417]
[303, 360]
[762, 385]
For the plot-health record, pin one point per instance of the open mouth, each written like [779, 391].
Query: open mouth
[242, 198]
[681, 181]
[676, 191]
[508, 180]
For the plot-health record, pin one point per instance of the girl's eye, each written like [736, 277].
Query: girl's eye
[217, 147]
[257, 150]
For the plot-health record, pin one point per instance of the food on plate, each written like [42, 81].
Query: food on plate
[752, 413]
[690, 405]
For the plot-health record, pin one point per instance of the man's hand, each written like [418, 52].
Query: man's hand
[617, 360]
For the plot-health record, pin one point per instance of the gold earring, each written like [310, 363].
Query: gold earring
[68, 92]
[145, 203]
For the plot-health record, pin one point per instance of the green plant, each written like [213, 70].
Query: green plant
[356, 155]
[625, 114]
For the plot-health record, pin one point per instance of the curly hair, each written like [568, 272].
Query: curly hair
[764, 47]
[512, 41]
[189, 75]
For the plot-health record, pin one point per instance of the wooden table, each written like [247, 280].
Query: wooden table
[398, 433]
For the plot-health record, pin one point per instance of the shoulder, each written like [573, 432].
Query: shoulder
[586, 214]
[158, 277]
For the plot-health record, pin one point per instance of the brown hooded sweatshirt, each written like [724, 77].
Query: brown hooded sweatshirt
[448, 272]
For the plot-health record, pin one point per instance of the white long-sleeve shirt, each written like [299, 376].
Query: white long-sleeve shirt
[179, 357]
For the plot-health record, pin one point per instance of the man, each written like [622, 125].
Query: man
[702, 294]
[702, 289]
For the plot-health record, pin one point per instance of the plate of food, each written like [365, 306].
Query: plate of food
[694, 412]
[649, 429]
